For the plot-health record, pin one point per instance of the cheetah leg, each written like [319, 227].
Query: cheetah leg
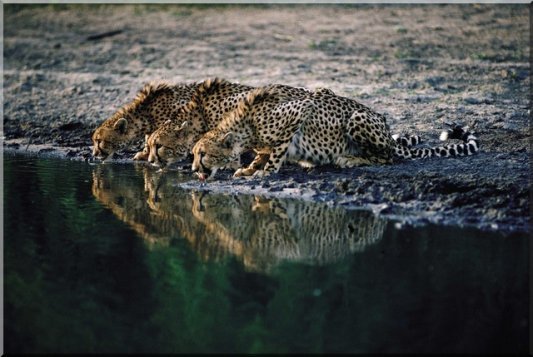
[275, 160]
[259, 161]
[369, 132]
[143, 155]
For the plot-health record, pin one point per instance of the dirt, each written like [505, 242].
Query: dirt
[68, 67]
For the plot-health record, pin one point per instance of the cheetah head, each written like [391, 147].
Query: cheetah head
[170, 143]
[215, 150]
[107, 140]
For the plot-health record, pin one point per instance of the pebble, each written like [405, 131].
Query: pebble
[473, 100]
[476, 101]
[435, 81]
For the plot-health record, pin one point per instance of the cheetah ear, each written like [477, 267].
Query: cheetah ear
[227, 140]
[121, 125]
[182, 126]
[183, 129]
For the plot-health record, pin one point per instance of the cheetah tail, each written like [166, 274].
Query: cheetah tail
[407, 140]
[456, 131]
[469, 146]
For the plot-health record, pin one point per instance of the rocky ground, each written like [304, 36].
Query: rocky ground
[69, 67]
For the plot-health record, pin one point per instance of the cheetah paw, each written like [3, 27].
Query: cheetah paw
[141, 156]
[244, 172]
[261, 173]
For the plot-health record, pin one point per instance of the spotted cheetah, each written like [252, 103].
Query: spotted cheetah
[153, 105]
[320, 129]
[212, 100]
[172, 141]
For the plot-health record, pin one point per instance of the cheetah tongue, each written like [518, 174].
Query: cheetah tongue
[202, 176]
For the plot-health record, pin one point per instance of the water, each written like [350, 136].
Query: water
[116, 258]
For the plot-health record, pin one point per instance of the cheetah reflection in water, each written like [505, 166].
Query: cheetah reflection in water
[260, 233]
[286, 231]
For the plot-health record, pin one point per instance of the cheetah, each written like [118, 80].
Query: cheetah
[212, 100]
[320, 129]
[152, 106]
[172, 141]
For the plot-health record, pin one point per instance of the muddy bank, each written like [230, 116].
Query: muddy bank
[67, 68]
[465, 192]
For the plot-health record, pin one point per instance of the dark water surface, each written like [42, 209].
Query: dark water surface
[115, 258]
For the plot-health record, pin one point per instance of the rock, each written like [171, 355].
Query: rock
[435, 81]
[477, 101]
[473, 100]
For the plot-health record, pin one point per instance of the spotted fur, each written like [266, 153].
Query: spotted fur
[211, 101]
[469, 145]
[407, 140]
[155, 103]
[173, 140]
[321, 128]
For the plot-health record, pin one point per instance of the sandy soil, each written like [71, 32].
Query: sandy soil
[420, 65]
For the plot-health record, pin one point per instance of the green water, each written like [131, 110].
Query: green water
[116, 258]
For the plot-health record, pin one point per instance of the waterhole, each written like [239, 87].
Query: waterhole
[118, 258]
